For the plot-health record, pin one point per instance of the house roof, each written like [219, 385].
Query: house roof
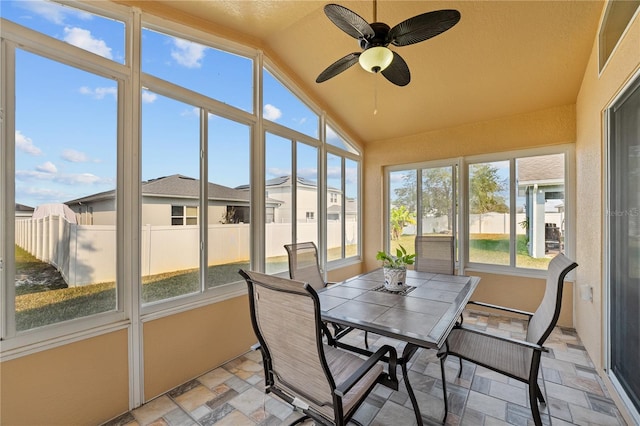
[23, 208]
[548, 169]
[286, 181]
[179, 186]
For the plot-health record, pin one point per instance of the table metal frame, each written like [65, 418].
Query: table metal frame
[422, 317]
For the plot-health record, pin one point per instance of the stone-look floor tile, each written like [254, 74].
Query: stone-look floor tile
[559, 409]
[493, 407]
[572, 396]
[366, 413]
[249, 401]
[235, 418]
[481, 384]
[509, 393]
[154, 410]
[194, 398]
[472, 417]
[394, 414]
[125, 419]
[234, 393]
[215, 377]
[583, 415]
[216, 415]
[590, 385]
[186, 387]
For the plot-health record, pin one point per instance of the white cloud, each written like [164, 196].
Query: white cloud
[74, 156]
[276, 172]
[310, 173]
[188, 53]
[99, 92]
[83, 39]
[271, 113]
[193, 112]
[25, 144]
[47, 167]
[53, 12]
[148, 97]
[71, 179]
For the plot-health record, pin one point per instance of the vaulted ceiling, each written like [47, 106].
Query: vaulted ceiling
[503, 57]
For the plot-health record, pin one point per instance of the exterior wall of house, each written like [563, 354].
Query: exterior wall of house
[541, 128]
[596, 93]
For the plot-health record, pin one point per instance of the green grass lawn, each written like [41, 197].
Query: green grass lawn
[52, 302]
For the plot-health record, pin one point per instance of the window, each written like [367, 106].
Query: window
[55, 169]
[436, 204]
[616, 19]
[97, 34]
[517, 210]
[283, 107]
[489, 219]
[195, 66]
[76, 147]
[184, 215]
[343, 220]
[517, 207]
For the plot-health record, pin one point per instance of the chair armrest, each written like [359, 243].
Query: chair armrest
[345, 386]
[529, 345]
[501, 308]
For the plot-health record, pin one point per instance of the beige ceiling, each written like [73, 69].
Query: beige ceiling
[502, 58]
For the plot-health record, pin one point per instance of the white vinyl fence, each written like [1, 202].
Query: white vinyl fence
[86, 254]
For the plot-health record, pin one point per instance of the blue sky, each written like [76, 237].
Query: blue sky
[66, 123]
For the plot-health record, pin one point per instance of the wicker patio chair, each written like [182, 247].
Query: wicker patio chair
[434, 253]
[325, 383]
[518, 359]
[304, 266]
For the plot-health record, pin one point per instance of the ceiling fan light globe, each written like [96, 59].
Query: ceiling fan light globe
[375, 59]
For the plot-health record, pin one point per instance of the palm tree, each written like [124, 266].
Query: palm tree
[400, 217]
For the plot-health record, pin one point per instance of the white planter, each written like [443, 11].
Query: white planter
[395, 278]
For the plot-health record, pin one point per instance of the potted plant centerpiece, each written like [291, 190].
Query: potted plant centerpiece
[395, 268]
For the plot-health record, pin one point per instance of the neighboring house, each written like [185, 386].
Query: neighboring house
[334, 211]
[23, 212]
[171, 200]
[540, 180]
[306, 199]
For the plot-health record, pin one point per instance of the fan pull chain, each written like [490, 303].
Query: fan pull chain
[375, 94]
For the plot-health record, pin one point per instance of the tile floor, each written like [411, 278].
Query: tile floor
[233, 393]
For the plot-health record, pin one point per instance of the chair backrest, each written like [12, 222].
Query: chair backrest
[434, 253]
[286, 319]
[546, 316]
[304, 265]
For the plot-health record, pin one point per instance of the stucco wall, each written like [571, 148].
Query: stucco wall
[596, 93]
[82, 383]
[541, 128]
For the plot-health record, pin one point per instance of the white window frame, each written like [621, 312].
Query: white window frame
[569, 185]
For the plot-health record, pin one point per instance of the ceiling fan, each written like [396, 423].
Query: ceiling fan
[374, 39]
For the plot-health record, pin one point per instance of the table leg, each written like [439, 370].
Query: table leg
[407, 353]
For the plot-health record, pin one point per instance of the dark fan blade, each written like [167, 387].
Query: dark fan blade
[348, 21]
[423, 27]
[338, 66]
[398, 71]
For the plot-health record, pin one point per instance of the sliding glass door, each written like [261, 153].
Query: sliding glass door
[624, 243]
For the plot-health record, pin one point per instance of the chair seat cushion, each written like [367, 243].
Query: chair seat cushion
[342, 365]
[493, 353]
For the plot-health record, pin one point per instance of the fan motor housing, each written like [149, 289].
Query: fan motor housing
[381, 31]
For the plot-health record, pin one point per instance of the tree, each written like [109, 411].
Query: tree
[485, 187]
[437, 194]
[400, 217]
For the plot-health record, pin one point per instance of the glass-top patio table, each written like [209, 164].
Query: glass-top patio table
[422, 315]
